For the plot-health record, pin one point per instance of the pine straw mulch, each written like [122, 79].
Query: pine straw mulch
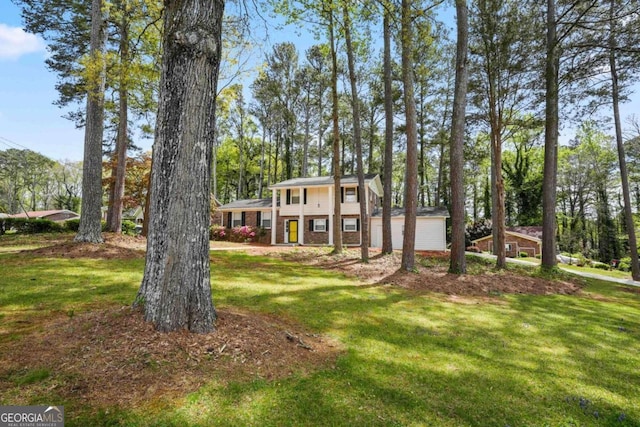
[385, 270]
[113, 357]
[115, 246]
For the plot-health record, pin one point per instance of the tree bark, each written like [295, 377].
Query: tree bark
[458, 263]
[411, 173]
[90, 228]
[176, 287]
[337, 199]
[624, 175]
[122, 141]
[550, 142]
[387, 243]
[357, 136]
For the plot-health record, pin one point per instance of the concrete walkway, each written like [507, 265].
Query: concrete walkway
[628, 282]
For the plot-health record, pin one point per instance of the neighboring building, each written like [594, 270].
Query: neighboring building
[135, 215]
[301, 212]
[52, 215]
[517, 239]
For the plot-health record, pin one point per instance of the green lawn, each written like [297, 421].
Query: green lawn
[411, 359]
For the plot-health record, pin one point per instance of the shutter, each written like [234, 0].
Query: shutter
[244, 217]
[310, 225]
[342, 224]
[358, 194]
[326, 225]
[305, 196]
[258, 219]
[288, 197]
[341, 194]
[357, 224]
[229, 224]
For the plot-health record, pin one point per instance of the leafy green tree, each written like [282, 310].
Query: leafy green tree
[502, 52]
[522, 168]
[24, 177]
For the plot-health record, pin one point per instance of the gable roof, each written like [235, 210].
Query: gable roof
[247, 205]
[373, 180]
[534, 231]
[43, 214]
[426, 211]
[511, 233]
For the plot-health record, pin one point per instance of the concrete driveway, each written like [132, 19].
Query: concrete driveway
[628, 282]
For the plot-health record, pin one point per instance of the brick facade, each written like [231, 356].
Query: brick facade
[515, 244]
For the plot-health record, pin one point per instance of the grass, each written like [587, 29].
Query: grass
[411, 359]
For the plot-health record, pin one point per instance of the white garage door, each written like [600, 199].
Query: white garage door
[430, 233]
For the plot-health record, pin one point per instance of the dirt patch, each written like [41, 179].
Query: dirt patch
[113, 357]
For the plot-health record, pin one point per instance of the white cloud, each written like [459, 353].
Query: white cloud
[14, 42]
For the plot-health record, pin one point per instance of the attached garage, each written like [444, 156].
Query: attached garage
[431, 228]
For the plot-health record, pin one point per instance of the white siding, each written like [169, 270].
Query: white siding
[430, 233]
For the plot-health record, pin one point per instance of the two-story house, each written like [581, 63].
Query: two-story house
[300, 211]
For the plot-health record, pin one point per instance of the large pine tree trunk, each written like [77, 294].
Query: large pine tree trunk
[615, 95]
[458, 263]
[550, 142]
[387, 243]
[90, 229]
[411, 172]
[357, 137]
[337, 175]
[114, 218]
[176, 288]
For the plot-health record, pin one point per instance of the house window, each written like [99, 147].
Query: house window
[350, 195]
[293, 197]
[507, 247]
[319, 225]
[350, 224]
[236, 220]
[265, 220]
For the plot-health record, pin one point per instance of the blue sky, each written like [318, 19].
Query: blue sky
[28, 118]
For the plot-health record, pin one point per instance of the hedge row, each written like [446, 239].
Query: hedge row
[33, 226]
[29, 226]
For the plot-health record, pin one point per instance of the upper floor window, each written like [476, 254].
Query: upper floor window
[293, 196]
[350, 195]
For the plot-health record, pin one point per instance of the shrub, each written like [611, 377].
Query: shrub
[523, 255]
[218, 233]
[473, 249]
[243, 233]
[625, 264]
[31, 226]
[600, 265]
[72, 224]
[129, 227]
